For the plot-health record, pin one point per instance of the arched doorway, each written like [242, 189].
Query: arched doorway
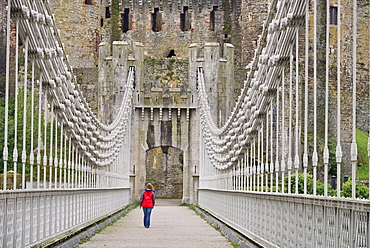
[164, 169]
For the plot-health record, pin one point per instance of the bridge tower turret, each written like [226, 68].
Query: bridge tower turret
[218, 65]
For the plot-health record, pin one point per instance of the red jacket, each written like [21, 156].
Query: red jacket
[147, 199]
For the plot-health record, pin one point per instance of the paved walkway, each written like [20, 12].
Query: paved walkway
[171, 226]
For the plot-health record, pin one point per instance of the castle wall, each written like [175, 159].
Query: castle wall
[2, 45]
[170, 36]
[236, 22]
[346, 49]
[80, 30]
[363, 67]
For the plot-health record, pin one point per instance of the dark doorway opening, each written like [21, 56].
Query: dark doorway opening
[171, 54]
[164, 169]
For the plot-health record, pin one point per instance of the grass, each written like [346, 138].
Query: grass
[363, 159]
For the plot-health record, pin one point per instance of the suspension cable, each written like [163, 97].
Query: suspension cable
[326, 149]
[339, 148]
[354, 87]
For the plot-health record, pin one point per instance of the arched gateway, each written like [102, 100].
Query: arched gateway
[164, 169]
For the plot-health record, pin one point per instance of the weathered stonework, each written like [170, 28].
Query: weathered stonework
[235, 22]
[166, 81]
[362, 109]
[164, 169]
[2, 45]
[161, 150]
[218, 76]
[80, 29]
[86, 78]
[3, 48]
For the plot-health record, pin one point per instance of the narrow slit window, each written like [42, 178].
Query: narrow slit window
[156, 20]
[213, 18]
[107, 12]
[185, 20]
[126, 20]
[333, 15]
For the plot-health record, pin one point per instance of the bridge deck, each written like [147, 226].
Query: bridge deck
[171, 226]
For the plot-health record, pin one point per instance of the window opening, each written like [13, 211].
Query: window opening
[107, 12]
[101, 22]
[89, 2]
[333, 11]
[212, 18]
[171, 54]
[185, 20]
[126, 24]
[156, 20]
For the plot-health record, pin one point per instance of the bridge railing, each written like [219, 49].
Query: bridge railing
[291, 220]
[61, 168]
[300, 123]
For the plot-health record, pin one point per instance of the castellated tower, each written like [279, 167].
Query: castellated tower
[168, 27]
[165, 122]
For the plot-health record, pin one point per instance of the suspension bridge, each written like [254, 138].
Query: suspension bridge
[63, 169]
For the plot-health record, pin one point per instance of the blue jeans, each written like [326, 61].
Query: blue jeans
[147, 213]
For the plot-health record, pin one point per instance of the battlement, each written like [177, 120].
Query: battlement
[168, 27]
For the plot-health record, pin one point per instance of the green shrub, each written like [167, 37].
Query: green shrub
[362, 191]
[363, 159]
[319, 185]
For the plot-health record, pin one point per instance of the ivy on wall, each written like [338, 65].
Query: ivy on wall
[227, 18]
[115, 17]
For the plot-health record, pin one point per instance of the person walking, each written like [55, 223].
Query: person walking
[147, 201]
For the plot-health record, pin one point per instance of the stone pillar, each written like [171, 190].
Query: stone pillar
[194, 193]
[185, 128]
[226, 84]
[105, 72]
[137, 60]
[211, 67]
[119, 63]
[193, 64]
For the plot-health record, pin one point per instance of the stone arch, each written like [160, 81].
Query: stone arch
[164, 169]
